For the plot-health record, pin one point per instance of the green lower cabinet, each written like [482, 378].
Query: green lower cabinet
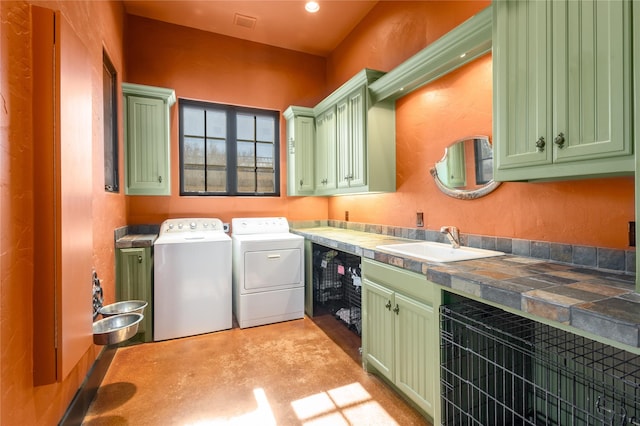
[400, 332]
[134, 282]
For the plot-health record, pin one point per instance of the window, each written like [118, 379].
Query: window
[228, 150]
[484, 161]
[110, 114]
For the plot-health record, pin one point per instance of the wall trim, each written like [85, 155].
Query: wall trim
[87, 391]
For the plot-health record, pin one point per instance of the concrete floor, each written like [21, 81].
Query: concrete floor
[291, 373]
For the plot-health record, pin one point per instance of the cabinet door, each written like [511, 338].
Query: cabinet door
[326, 151]
[147, 146]
[351, 133]
[378, 327]
[415, 363]
[304, 147]
[358, 148]
[456, 175]
[522, 84]
[343, 143]
[134, 283]
[592, 79]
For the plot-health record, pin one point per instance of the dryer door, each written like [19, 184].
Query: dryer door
[272, 269]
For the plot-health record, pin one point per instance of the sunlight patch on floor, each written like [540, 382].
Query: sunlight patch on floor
[263, 415]
[346, 405]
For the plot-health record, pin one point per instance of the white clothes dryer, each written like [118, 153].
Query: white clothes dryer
[268, 271]
[192, 278]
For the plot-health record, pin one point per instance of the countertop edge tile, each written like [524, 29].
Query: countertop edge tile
[619, 331]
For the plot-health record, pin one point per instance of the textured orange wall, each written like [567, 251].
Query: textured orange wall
[215, 68]
[393, 32]
[586, 212]
[100, 25]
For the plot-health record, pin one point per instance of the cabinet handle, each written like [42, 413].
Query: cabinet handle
[160, 179]
[559, 140]
[396, 309]
[388, 305]
[139, 259]
[540, 143]
[301, 182]
[324, 181]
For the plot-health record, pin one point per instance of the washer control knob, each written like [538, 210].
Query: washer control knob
[179, 226]
[171, 226]
[192, 225]
[205, 224]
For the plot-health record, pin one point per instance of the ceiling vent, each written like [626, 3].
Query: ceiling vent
[244, 21]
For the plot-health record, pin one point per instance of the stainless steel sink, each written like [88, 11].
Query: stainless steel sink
[438, 252]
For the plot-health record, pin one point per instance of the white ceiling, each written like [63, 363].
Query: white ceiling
[283, 23]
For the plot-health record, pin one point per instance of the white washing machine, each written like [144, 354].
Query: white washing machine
[192, 278]
[268, 271]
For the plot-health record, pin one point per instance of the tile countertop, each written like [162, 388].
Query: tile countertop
[136, 240]
[600, 302]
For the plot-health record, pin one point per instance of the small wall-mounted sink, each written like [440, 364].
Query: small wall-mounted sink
[116, 329]
[438, 252]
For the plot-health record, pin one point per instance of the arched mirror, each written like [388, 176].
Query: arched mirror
[466, 169]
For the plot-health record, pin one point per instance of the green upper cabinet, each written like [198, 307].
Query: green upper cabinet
[300, 147]
[355, 149]
[326, 161]
[147, 139]
[562, 89]
[351, 123]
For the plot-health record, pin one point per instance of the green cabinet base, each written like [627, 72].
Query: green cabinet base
[134, 282]
[400, 332]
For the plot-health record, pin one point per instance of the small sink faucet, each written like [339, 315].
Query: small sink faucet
[452, 234]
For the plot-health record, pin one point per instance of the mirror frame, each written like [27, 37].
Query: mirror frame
[464, 194]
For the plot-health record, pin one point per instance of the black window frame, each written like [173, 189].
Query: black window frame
[231, 148]
[110, 124]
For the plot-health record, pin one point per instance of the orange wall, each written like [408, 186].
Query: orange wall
[215, 68]
[453, 107]
[100, 24]
[589, 212]
[205, 66]
[585, 212]
[393, 32]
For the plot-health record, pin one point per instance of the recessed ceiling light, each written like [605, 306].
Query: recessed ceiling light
[463, 55]
[312, 6]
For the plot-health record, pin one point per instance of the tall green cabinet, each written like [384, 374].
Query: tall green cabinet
[134, 282]
[147, 139]
[300, 147]
[563, 98]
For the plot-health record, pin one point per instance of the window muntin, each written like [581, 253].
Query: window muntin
[228, 150]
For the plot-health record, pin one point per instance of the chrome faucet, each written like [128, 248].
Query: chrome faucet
[452, 234]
